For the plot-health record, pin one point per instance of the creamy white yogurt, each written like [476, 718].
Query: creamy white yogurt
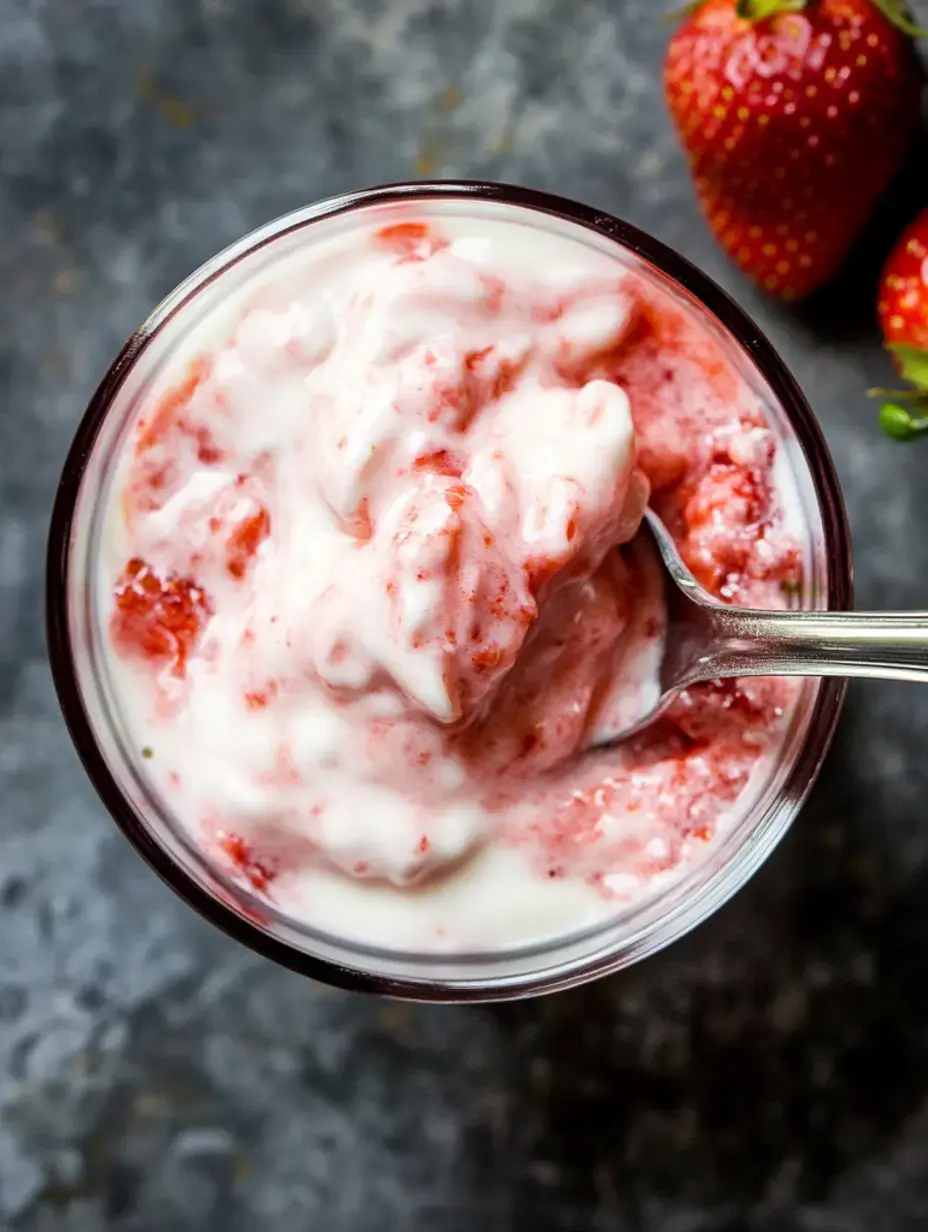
[385, 481]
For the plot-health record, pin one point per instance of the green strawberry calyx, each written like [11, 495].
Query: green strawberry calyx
[900, 423]
[894, 11]
[904, 415]
[757, 10]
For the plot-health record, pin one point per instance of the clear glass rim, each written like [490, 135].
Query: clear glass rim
[825, 709]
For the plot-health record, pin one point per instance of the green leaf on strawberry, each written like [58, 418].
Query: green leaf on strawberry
[893, 10]
[902, 308]
[899, 422]
[906, 417]
[912, 363]
[896, 12]
[757, 10]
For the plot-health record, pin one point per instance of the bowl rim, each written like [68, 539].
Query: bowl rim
[733, 319]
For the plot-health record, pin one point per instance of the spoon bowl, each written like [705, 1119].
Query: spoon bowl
[705, 639]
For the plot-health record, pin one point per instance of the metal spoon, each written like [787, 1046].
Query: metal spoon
[708, 640]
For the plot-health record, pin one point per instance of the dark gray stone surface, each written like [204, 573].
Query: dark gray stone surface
[769, 1073]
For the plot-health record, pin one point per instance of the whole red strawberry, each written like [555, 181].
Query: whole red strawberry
[796, 115]
[903, 313]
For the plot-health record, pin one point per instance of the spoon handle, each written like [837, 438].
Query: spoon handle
[877, 645]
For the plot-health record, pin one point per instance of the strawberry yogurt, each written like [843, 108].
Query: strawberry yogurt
[369, 590]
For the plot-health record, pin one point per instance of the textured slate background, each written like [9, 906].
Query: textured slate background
[770, 1072]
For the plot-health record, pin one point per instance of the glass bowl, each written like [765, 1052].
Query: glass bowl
[86, 699]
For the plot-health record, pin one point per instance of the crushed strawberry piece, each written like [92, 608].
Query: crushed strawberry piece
[473, 359]
[152, 431]
[724, 517]
[411, 241]
[486, 657]
[245, 540]
[404, 233]
[456, 495]
[361, 526]
[258, 872]
[490, 375]
[163, 438]
[156, 618]
[207, 451]
[440, 462]
[260, 699]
